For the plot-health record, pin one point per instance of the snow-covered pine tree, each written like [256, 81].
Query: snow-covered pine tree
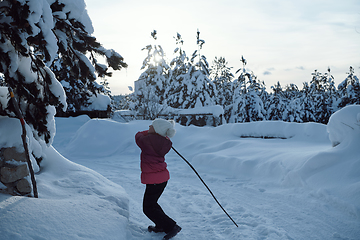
[150, 98]
[293, 109]
[180, 65]
[77, 94]
[255, 91]
[76, 72]
[276, 103]
[32, 34]
[247, 104]
[307, 104]
[190, 85]
[27, 47]
[199, 90]
[105, 87]
[238, 89]
[349, 89]
[321, 86]
[329, 84]
[316, 93]
[330, 94]
[221, 76]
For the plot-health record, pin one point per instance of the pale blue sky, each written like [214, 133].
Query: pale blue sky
[282, 40]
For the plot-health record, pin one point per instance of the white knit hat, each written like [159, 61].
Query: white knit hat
[164, 127]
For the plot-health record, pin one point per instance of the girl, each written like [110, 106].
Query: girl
[155, 144]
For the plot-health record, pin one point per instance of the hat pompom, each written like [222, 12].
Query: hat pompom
[170, 132]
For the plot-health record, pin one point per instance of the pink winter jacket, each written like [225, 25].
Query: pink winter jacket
[153, 150]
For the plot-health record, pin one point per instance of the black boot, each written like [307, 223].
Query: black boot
[176, 229]
[155, 229]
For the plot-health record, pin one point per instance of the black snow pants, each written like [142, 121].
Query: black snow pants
[153, 210]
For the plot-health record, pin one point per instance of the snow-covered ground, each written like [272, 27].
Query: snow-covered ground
[277, 181]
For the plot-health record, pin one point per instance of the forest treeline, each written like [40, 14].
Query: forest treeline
[189, 82]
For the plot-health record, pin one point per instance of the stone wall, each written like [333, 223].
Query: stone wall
[14, 172]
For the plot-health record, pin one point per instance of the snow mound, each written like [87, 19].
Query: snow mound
[335, 171]
[344, 125]
[74, 203]
[101, 138]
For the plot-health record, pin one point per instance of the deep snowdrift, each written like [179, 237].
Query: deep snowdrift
[74, 202]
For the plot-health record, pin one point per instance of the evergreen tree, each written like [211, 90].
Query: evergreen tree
[222, 79]
[317, 95]
[180, 61]
[77, 95]
[331, 96]
[150, 98]
[247, 104]
[77, 72]
[241, 82]
[179, 70]
[293, 109]
[105, 87]
[349, 89]
[322, 93]
[27, 47]
[33, 34]
[200, 91]
[307, 104]
[194, 88]
[276, 104]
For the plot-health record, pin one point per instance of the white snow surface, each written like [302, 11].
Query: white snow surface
[292, 185]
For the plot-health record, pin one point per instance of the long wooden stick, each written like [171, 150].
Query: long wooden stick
[23, 136]
[205, 185]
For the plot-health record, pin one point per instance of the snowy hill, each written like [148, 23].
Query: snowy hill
[277, 180]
